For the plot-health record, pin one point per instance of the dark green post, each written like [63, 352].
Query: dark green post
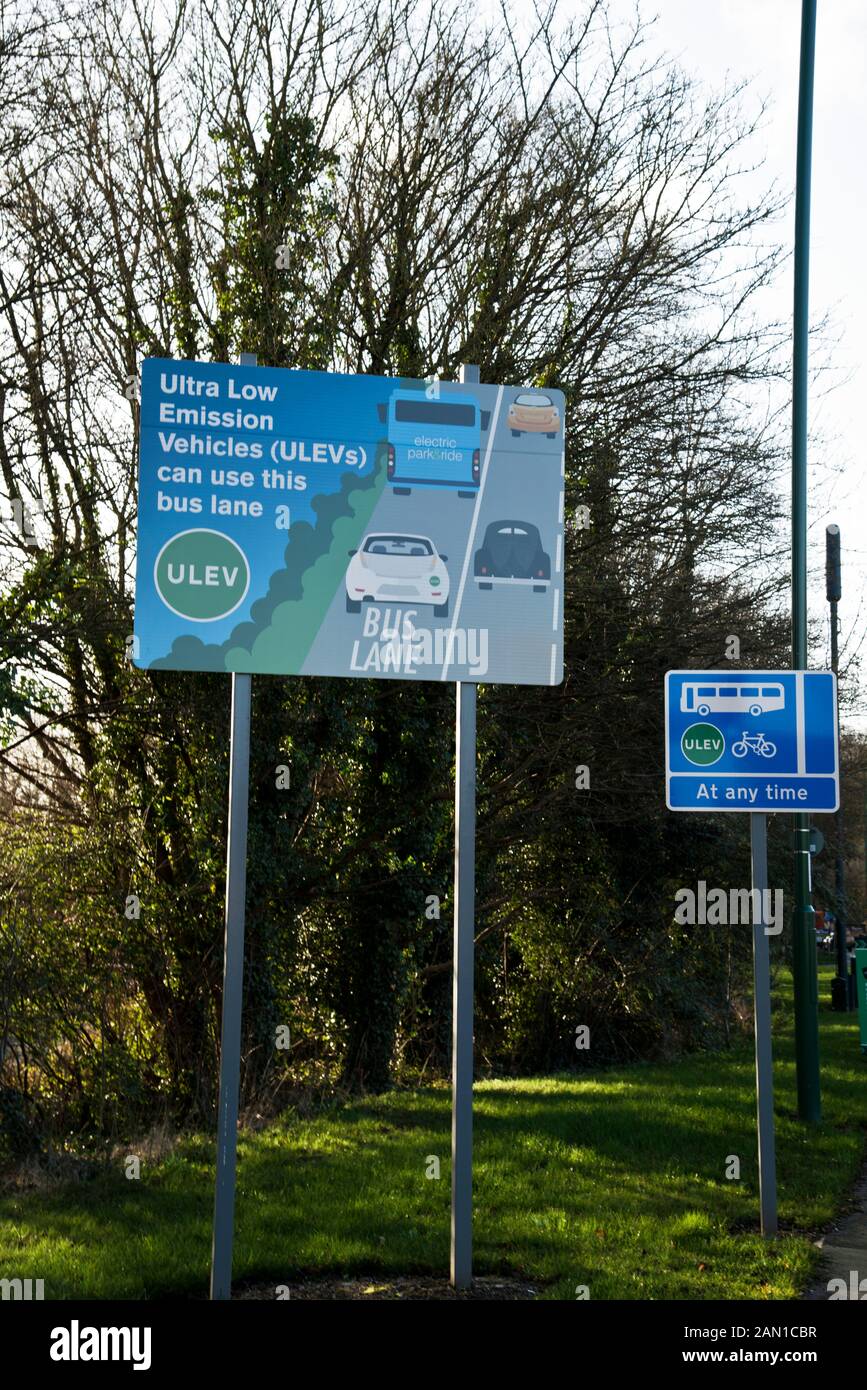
[861, 977]
[833, 593]
[804, 936]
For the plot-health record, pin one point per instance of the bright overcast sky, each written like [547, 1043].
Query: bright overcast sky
[760, 39]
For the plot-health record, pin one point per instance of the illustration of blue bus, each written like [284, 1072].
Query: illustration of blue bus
[434, 442]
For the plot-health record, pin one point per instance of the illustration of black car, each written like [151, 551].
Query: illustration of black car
[512, 553]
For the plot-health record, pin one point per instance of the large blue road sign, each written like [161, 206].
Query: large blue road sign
[751, 741]
[313, 523]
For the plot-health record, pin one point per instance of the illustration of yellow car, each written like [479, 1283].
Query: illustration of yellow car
[533, 413]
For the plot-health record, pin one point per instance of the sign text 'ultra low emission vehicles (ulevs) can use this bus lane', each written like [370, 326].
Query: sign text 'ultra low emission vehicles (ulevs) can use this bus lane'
[316, 523]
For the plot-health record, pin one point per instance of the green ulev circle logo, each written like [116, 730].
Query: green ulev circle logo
[202, 575]
[702, 744]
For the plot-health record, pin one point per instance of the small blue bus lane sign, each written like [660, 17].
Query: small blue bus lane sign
[751, 741]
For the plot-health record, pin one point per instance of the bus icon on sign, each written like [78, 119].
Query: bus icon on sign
[434, 443]
[735, 699]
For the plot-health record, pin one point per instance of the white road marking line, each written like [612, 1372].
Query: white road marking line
[556, 608]
[456, 611]
[560, 510]
[558, 562]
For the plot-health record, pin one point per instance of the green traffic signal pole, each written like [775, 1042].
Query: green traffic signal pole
[833, 593]
[804, 937]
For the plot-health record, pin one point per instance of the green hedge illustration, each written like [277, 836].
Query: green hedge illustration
[283, 624]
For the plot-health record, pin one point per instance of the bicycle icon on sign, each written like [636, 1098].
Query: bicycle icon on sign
[754, 743]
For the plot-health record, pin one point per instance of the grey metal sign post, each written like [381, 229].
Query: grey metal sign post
[233, 978]
[462, 979]
[462, 989]
[762, 1016]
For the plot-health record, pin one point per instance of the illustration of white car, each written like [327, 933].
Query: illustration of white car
[397, 567]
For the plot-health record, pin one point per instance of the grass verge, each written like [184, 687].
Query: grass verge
[615, 1180]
